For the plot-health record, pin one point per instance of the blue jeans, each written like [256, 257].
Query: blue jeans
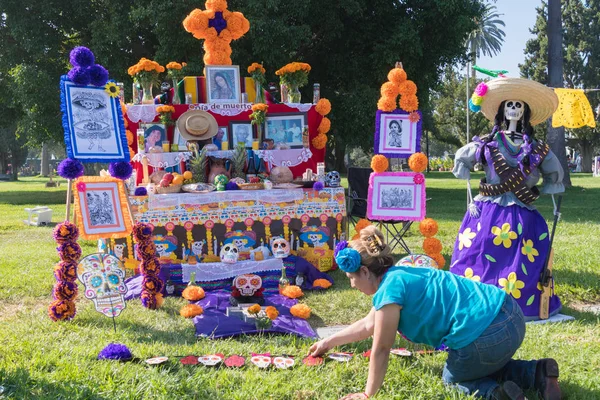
[478, 367]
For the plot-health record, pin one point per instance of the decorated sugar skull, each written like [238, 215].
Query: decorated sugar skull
[211, 360]
[220, 182]
[417, 260]
[248, 284]
[283, 362]
[280, 247]
[102, 275]
[261, 360]
[243, 240]
[333, 179]
[229, 253]
[514, 110]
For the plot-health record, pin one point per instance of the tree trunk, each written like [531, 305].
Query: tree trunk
[556, 136]
[587, 153]
[45, 160]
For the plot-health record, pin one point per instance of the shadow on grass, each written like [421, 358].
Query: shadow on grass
[20, 385]
[588, 281]
[583, 317]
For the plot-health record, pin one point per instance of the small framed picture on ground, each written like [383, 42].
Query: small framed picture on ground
[396, 196]
[286, 129]
[101, 208]
[223, 83]
[396, 136]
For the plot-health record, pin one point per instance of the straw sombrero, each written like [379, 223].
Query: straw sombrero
[197, 125]
[542, 100]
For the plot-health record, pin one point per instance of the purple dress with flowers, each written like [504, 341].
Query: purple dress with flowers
[507, 244]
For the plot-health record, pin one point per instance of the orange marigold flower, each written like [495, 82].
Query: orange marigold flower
[414, 117]
[174, 65]
[254, 309]
[324, 283]
[216, 5]
[193, 293]
[408, 88]
[323, 107]
[361, 224]
[271, 312]
[292, 291]
[439, 259]
[191, 310]
[256, 67]
[165, 109]
[260, 107]
[389, 89]
[409, 103]
[418, 162]
[397, 75]
[386, 104]
[379, 163]
[428, 227]
[432, 245]
[300, 310]
[324, 126]
[320, 141]
[129, 135]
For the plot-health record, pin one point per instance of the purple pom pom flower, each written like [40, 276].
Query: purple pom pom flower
[141, 191]
[65, 291]
[98, 75]
[65, 232]
[82, 57]
[339, 247]
[318, 185]
[115, 351]
[232, 186]
[120, 170]
[70, 169]
[79, 76]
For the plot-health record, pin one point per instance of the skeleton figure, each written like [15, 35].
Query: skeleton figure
[281, 247]
[513, 113]
[333, 179]
[196, 250]
[119, 249]
[102, 276]
[229, 253]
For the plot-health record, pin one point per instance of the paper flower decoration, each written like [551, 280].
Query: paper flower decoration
[407, 88]
[323, 107]
[115, 351]
[272, 313]
[439, 259]
[418, 162]
[193, 293]
[387, 104]
[324, 283]
[191, 311]
[428, 227]
[379, 163]
[432, 245]
[320, 141]
[397, 75]
[324, 126]
[70, 168]
[301, 311]
[409, 103]
[292, 291]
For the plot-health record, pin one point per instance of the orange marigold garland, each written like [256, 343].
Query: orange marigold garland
[387, 104]
[397, 75]
[323, 107]
[320, 141]
[324, 283]
[428, 227]
[407, 88]
[292, 291]
[409, 103]
[324, 126]
[379, 163]
[191, 311]
[432, 245]
[193, 293]
[417, 162]
[439, 259]
[301, 311]
[389, 89]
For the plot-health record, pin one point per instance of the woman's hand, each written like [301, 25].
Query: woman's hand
[355, 396]
[319, 348]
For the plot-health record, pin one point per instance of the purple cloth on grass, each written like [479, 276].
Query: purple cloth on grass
[215, 324]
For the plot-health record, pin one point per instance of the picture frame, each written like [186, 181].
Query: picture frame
[395, 135]
[396, 196]
[220, 137]
[223, 83]
[152, 138]
[286, 128]
[101, 208]
[179, 140]
[94, 130]
[239, 130]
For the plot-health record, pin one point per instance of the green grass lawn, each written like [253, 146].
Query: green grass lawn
[40, 359]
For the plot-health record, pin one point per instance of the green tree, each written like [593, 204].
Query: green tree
[581, 66]
[487, 37]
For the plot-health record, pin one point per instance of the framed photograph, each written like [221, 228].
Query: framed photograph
[179, 140]
[396, 135]
[221, 137]
[154, 135]
[223, 83]
[92, 123]
[286, 128]
[101, 208]
[396, 196]
[240, 131]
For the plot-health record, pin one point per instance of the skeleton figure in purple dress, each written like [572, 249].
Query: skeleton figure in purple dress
[503, 240]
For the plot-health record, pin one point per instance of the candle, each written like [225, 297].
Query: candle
[166, 146]
[225, 145]
[292, 241]
[255, 145]
[216, 249]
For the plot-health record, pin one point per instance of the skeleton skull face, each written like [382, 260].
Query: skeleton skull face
[102, 276]
[239, 243]
[333, 179]
[261, 361]
[281, 248]
[315, 239]
[229, 253]
[514, 109]
[283, 362]
[247, 284]
[119, 248]
[165, 86]
[197, 247]
[210, 360]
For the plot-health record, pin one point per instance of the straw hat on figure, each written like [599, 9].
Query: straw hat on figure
[503, 239]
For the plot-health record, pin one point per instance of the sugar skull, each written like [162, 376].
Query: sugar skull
[220, 182]
[514, 110]
[281, 247]
[333, 179]
[229, 253]
[248, 284]
[283, 362]
[261, 360]
[211, 360]
[102, 276]
[417, 260]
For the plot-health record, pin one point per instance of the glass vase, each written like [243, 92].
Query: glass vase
[147, 97]
[260, 93]
[294, 95]
[176, 99]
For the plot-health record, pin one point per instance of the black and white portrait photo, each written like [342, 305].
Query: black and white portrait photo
[394, 135]
[101, 207]
[397, 197]
[240, 132]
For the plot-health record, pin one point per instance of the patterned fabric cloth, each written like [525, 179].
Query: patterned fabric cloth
[506, 247]
[574, 109]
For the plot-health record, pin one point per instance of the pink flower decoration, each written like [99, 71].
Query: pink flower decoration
[481, 89]
[419, 179]
[80, 186]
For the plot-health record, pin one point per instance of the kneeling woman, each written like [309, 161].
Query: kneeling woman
[482, 326]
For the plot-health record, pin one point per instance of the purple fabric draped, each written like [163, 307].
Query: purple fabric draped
[484, 147]
[215, 324]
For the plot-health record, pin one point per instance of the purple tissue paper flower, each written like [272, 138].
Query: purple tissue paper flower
[120, 170]
[98, 75]
[141, 191]
[339, 247]
[82, 57]
[115, 351]
[232, 186]
[70, 168]
[79, 76]
[318, 186]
